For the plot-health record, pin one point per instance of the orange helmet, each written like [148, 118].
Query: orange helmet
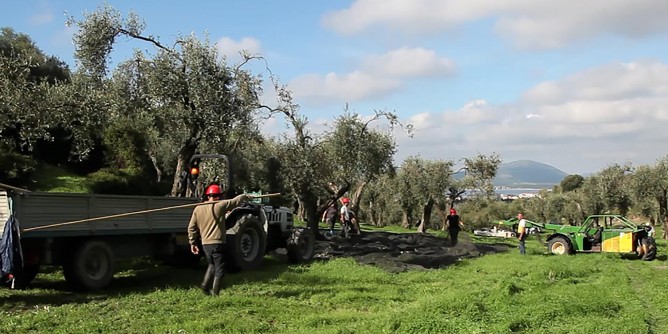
[213, 189]
[345, 200]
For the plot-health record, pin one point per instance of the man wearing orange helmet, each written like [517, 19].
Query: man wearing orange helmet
[208, 224]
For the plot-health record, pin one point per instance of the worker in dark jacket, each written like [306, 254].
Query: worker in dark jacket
[208, 224]
[454, 225]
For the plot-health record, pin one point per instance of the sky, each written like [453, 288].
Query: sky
[578, 85]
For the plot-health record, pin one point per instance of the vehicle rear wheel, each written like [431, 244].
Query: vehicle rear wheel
[91, 267]
[559, 246]
[247, 246]
[301, 245]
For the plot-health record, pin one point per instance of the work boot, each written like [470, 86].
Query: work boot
[208, 276]
[215, 289]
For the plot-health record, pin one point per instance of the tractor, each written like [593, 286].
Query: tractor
[253, 229]
[598, 233]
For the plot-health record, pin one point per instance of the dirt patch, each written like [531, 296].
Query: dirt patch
[398, 252]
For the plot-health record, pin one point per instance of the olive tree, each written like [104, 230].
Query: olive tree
[650, 190]
[358, 152]
[186, 97]
[571, 182]
[34, 93]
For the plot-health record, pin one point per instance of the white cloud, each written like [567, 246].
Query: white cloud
[335, 88]
[529, 24]
[410, 62]
[378, 76]
[231, 48]
[614, 81]
[613, 113]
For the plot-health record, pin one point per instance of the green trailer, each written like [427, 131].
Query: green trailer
[598, 233]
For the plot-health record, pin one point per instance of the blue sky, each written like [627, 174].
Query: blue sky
[575, 84]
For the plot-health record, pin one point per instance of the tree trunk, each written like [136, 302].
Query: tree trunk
[158, 171]
[426, 215]
[406, 219]
[309, 203]
[185, 153]
[354, 206]
[177, 176]
[301, 212]
[441, 213]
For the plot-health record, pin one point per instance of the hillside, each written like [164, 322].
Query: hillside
[527, 173]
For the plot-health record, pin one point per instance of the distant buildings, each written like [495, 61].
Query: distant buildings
[511, 197]
[506, 193]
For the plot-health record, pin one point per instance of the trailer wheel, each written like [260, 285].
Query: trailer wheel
[246, 247]
[92, 266]
[559, 246]
[301, 245]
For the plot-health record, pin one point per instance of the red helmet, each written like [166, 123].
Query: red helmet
[213, 189]
[345, 200]
[453, 211]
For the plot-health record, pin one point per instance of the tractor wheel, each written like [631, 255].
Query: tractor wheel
[91, 267]
[246, 247]
[301, 245]
[559, 246]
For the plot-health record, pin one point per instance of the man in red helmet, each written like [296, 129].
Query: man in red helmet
[454, 225]
[208, 224]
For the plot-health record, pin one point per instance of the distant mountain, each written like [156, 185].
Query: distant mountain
[527, 173]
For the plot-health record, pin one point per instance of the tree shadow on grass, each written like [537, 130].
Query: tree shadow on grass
[50, 288]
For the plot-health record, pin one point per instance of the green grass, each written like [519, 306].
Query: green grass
[55, 179]
[502, 293]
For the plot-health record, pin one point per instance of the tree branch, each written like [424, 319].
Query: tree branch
[150, 40]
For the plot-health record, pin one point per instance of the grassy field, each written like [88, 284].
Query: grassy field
[501, 293]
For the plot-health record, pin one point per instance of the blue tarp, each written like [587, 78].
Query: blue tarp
[10, 247]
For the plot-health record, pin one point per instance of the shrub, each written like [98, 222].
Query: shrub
[16, 169]
[108, 181]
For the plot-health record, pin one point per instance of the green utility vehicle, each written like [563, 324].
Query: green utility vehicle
[598, 233]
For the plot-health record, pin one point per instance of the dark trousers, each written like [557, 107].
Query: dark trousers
[522, 249]
[214, 256]
[331, 222]
[453, 235]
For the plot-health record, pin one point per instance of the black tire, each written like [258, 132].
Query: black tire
[301, 245]
[247, 246]
[91, 267]
[559, 246]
